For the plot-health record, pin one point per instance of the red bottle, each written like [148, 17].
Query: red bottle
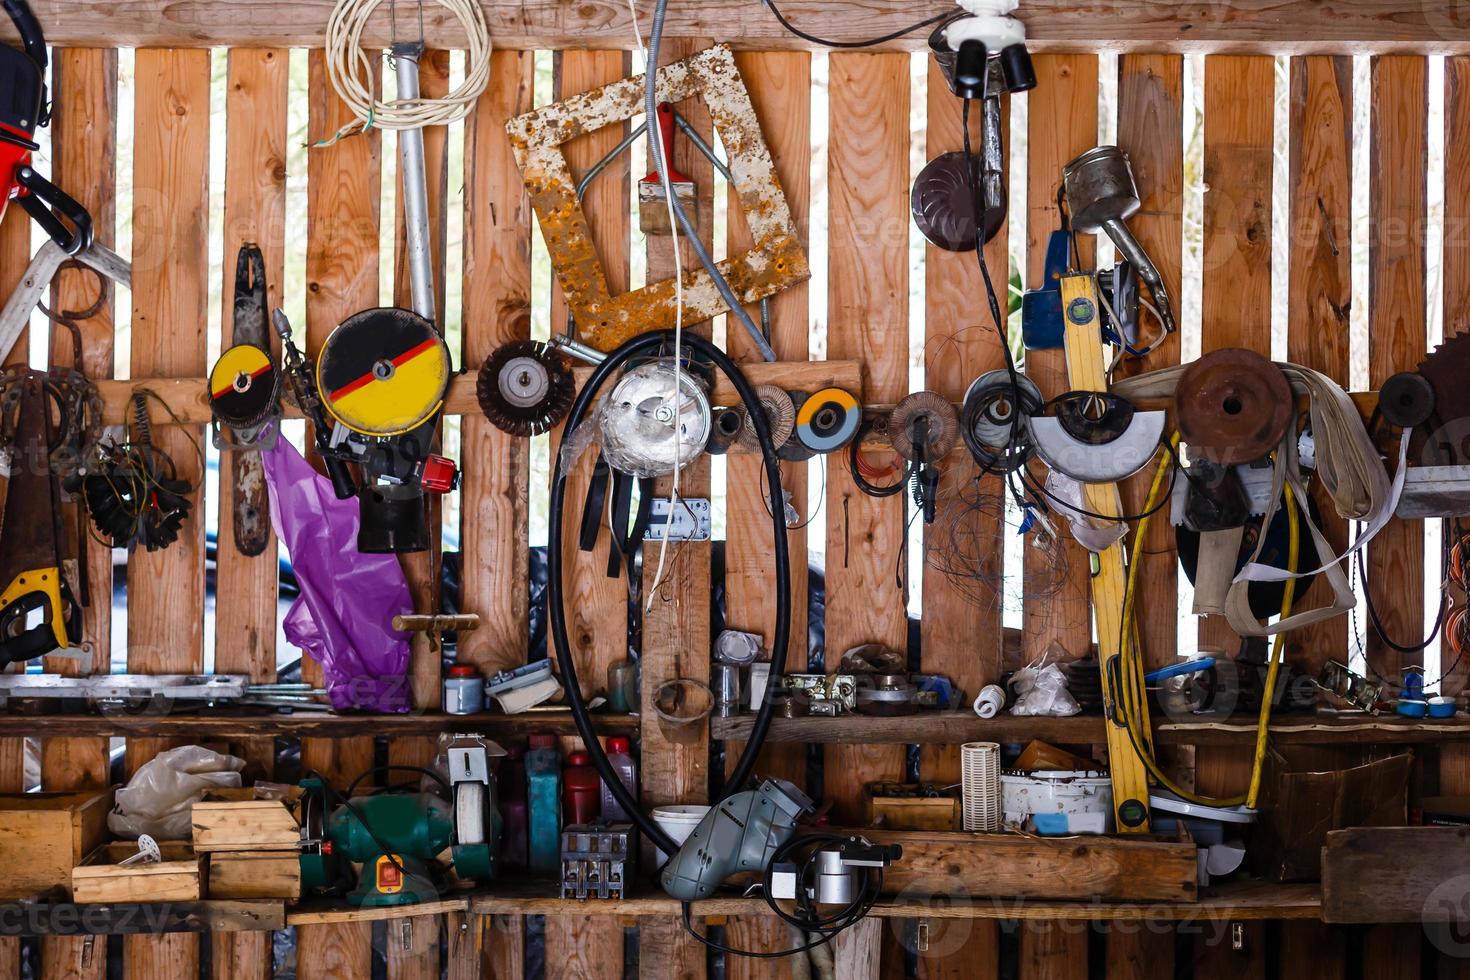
[581, 791]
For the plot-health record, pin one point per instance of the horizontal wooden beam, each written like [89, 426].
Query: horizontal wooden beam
[1281, 26]
[71, 919]
[303, 724]
[958, 727]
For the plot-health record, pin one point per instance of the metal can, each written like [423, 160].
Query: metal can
[464, 690]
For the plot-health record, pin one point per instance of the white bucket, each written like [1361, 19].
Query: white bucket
[1058, 803]
[678, 821]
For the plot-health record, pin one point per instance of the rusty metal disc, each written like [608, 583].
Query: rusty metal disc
[1233, 406]
[1442, 441]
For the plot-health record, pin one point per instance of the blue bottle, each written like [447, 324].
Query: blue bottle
[543, 778]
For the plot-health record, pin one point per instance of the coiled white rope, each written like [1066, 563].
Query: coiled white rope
[353, 76]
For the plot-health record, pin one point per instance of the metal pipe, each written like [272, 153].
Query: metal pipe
[415, 186]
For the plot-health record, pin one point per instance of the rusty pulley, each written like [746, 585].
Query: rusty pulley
[1233, 406]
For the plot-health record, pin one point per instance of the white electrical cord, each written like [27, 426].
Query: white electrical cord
[656, 146]
[352, 72]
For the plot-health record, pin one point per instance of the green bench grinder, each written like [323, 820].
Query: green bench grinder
[398, 839]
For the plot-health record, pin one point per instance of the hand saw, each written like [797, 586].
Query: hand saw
[31, 537]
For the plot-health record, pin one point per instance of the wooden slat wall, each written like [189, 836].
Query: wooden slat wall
[85, 148]
[868, 177]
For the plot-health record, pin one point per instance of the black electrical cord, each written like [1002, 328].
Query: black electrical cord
[555, 591]
[827, 927]
[398, 767]
[361, 818]
[870, 42]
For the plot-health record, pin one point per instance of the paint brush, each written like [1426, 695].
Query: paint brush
[654, 215]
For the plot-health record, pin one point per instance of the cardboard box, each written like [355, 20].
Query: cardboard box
[1307, 791]
[255, 874]
[43, 836]
[103, 878]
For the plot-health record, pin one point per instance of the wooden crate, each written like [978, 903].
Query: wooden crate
[244, 824]
[255, 874]
[104, 879]
[43, 836]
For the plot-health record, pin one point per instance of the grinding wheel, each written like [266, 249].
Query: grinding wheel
[1233, 406]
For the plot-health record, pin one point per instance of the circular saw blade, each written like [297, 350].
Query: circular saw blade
[943, 426]
[1445, 441]
[780, 416]
[525, 388]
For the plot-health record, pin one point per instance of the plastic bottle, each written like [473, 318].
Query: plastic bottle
[581, 790]
[510, 784]
[620, 755]
[543, 778]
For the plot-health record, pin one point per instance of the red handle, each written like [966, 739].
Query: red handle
[666, 138]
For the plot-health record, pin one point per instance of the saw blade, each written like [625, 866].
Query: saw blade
[1446, 440]
[943, 426]
[525, 388]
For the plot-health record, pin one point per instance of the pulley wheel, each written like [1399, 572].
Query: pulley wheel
[943, 204]
[1233, 406]
[1406, 399]
[243, 386]
[383, 372]
[940, 421]
[828, 420]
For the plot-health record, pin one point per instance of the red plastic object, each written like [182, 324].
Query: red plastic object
[439, 474]
[581, 791]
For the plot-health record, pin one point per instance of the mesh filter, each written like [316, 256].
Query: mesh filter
[980, 780]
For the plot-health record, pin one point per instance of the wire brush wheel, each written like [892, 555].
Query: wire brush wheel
[525, 388]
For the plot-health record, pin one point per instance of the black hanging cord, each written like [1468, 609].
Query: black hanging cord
[555, 591]
[870, 42]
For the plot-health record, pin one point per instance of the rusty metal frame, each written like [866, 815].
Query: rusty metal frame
[775, 262]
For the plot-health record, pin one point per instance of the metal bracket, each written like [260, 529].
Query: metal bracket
[604, 320]
[690, 521]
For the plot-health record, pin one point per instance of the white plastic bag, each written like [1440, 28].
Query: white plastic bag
[1042, 690]
[157, 799]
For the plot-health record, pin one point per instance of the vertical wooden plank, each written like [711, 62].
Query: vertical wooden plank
[780, 88]
[960, 630]
[170, 265]
[84, 146]
[1454, 760]
[465, 935]
[1062, 122]
[1397, 338]
[1237, 313]
[676, 623]
[504, 949]
[497, 310]
[343, 183]
[413, 948]
[255, 211]
[598, 604]
[240, 955]
[867, 181]
[587, 946]
[1054, 951]
[855, 951]
[598, 609]
[1139, 950]
[1319, 301]
[1312, 949]
[1319, 305]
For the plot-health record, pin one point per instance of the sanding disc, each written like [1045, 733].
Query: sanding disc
[780, 416]
[828, 420]
[1233, 406]
[383, 372]
[243, 385]
[941, 420]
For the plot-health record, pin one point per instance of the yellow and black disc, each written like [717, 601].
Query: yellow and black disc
[383, 372]
[242, 385]
[828, 420]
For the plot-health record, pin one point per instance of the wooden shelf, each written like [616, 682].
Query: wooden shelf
[261, 724]
[71, 919]
[1236, 900]
[957, 727]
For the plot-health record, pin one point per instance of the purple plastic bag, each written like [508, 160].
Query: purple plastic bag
[344, 616]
